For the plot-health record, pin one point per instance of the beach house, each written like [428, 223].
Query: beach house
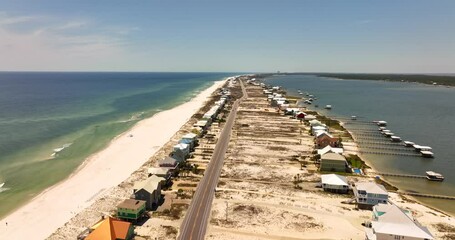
[334, 183]
[329, 149]
[131, 209]
[391, 222]
[149, 191]
[190, 138]
[324, 139]
[369, 194]
[181, 151]
[110, 228]
[164, 173]
[168, 162]
[333, 162]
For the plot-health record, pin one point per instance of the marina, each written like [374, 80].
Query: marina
[410, 125]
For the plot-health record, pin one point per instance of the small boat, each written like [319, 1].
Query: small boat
[2, 184]
[385, 131]
[419, 148]
[328, 107]
[381, 123]
[408, 144]
[395, 139]
[389, 134]
[427, 154]
[382, 129]
[434, 176]
[353, 117]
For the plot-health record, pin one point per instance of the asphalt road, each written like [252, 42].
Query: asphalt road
[194, 225]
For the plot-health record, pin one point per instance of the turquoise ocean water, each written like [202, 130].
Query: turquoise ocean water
[40, 112]
[420, 113]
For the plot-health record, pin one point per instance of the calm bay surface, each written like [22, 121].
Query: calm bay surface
[420, 113]
[40, 112]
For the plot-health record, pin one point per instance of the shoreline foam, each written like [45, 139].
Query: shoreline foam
[103, 170]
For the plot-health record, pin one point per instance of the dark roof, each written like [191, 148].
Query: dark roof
[131, 204]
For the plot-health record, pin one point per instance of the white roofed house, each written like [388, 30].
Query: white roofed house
[329, 149]
[189, 138]
[181, 151]
[391, 222]
[334, 183]
[315, 129]
[369, 194]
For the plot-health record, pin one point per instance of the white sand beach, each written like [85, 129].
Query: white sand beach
[125, 154]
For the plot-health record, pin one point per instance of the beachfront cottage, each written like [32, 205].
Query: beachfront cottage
[109, 229]
[369, 194]
[324, 139]
[181, 152]
[333, 162]
[191, 138]
[131, 209]
[168, 162]
[164, 173]
[391, 222]
[334, 183]
[149, 191]
[202, 124]
[329, 149]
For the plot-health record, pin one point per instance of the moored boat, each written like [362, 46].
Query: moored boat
[408, 143]
[434, 176]
[395, 139]
[381, 123]
[419, 148]
[389, 134]
[328, 107]
[427, 154]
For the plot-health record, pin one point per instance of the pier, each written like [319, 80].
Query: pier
[399, 175]
[389, 148]
[388, 143]
[390, 153]
[429, 195]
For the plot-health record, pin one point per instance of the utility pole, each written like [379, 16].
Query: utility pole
[227, 205]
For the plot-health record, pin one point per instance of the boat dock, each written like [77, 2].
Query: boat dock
[429, 195]
[390, 153]
[398, 175]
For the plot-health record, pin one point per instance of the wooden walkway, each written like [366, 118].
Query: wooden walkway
[399, 175]
[390, 153]
[429, 195]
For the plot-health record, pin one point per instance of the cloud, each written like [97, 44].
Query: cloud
[51, 45]
[5, 20]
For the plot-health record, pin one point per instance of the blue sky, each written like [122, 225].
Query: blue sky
[236, 35]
